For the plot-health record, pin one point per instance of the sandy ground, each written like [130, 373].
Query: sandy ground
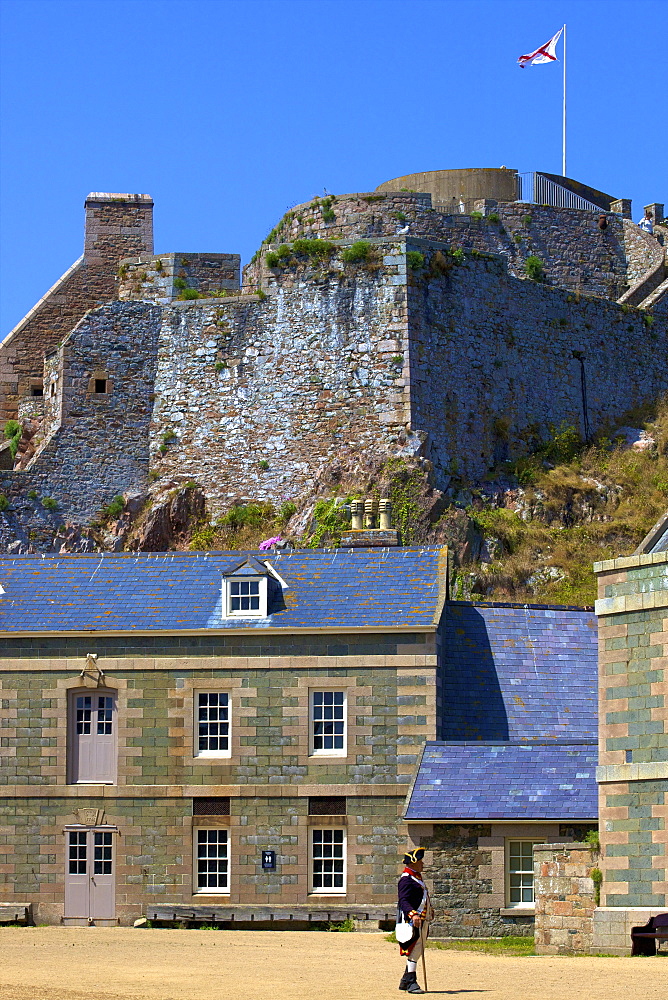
[79, 963]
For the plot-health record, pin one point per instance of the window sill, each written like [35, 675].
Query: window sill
[518, 911]
[327, 895]
[212, 894]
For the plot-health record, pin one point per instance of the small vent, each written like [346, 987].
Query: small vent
[211, 807]
[100, 385]
[327, 805]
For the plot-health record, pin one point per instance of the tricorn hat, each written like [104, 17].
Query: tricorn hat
[410, 857]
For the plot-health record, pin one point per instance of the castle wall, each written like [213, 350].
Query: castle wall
[494, 362]
[96, 443]
[166, 276]
[255, 395]
[115, 226]
[575, 253]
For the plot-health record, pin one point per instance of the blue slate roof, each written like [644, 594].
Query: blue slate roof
[519, 673]
[514, 781]
[118, 592]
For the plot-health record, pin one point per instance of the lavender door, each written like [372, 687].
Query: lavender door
[92, 736]
[89, 875]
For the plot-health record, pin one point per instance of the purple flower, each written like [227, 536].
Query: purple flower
[268, 542]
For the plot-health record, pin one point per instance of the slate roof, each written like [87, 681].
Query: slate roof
[517, 672]
[118, 592]
[514, 781]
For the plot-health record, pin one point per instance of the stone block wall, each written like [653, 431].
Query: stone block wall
[465, 866]
[269, 777]
[116, 225]
[565, 898]
[633, 735]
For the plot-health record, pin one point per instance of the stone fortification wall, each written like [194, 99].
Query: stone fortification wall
[565, 897]
[95, 443]
[167, 276]
[575, 253]
[255, 395]
[115, 226]
[494, 361]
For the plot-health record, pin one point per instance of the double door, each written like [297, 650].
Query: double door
[89, 874]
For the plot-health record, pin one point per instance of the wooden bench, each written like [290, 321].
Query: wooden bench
[188, 916]
[15, 913]
[644, 940]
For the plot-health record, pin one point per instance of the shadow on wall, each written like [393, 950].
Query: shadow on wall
[473, 703]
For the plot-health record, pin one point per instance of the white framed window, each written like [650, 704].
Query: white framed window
[246, 597]
[211, 861]
[212, 724]
[327, 723]
[328, 861]
[519, 873]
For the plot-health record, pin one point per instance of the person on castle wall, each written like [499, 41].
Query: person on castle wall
[647, 223]
[414, 914]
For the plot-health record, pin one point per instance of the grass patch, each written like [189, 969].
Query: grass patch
[513, 946]
[598, 502]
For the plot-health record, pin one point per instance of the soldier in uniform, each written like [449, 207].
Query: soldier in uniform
[414, 910]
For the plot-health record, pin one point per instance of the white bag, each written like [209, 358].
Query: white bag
[403, 930]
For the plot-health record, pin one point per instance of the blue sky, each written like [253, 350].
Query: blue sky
[228, 112]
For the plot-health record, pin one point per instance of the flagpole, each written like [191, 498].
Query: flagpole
[563, 160]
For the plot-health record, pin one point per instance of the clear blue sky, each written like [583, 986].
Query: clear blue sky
[227, 112]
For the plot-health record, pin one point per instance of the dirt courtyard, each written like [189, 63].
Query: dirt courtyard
[79, 963]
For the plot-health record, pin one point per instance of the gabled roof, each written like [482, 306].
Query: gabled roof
[513, 781]
[400, 588]
[519, 672]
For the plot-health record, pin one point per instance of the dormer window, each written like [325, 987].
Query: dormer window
[252, 589]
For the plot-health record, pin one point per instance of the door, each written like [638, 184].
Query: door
[92, 727]
[89, 875]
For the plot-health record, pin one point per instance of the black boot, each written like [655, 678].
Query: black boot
[409, 983]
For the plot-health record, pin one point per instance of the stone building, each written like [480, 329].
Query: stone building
[407, 330]
[166, 719]
[633, 734]
[170, 722]
[515, 765]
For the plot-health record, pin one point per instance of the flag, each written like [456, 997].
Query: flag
[545, 54]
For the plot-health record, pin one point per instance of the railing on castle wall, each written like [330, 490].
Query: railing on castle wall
[540, 190]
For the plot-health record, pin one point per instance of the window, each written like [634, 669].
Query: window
[328, 723]
[100, 385]
[37, 390]
[213, 724]
[244, 595]
[519, 854]
[92, 737]
[211, 861]
[328, 861]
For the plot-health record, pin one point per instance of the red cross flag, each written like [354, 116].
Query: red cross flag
[545, 54]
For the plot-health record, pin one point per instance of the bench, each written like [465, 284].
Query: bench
[15, 913]
[644, 940]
